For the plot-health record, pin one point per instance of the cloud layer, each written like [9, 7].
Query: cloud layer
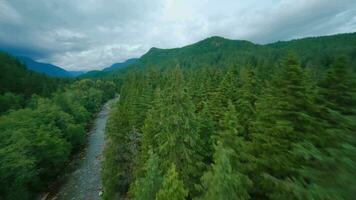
[92, 34]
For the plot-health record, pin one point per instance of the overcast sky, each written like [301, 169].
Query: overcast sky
[92, 34]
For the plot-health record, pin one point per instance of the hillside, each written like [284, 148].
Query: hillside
[225, 119]
[17, 83]
[315, 52]
[45, 68]
[108, 70]
[121, 65]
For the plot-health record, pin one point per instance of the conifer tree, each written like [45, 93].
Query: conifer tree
[172, 187]
[145, 188]
[221, 181]
[329, 161]
[284, 119]
[245, 104]
[231, 139]
[171, 130]
[207, 129]
[228, 86]
[338, 88]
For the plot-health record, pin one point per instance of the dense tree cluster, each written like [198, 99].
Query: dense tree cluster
[233, 130]
[219, 119]
[18, 84]
[36, 141]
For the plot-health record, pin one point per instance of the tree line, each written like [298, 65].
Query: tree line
[18, 84]
[241, 131]
[37, 140]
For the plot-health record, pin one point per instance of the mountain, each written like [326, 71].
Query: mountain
[316, 52]
[108, 70]
[77, 73]
[16, 78]
[45, 68]
[93, 74]
[121, 65]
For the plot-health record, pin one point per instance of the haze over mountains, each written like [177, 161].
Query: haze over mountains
[47, 68]
[178, 100]
[56, 71]
[211, 89]
[204, 47]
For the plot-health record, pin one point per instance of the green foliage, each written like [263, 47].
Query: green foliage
[222, 181]
[146, 188]
[171, 129]
[10, 101]
[284, 118]
[172, 187]
[18, 84]
[247, 96]
[236, 121]
[36, 142]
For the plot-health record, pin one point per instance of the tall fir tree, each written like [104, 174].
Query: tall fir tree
[228, 87]
[171, 130]
[284, 119]
[241, 158]
[248, 93]
[221, 181]
[172, 187]
[338, 88]
[146, 188]
[330, 159]
[207, 128]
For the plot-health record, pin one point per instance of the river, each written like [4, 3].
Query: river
[84, 182]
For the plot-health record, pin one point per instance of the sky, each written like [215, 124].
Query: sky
[93, 34]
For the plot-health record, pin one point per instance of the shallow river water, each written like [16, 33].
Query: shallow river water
[84, 182]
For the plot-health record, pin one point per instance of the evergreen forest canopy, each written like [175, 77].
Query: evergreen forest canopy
[218, 119]
[43, 121]
[225, 119]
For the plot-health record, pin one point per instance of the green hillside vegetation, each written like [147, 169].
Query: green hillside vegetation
[225, 119]
[43, 121]
[18, 84]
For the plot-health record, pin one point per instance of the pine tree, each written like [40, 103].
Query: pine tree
[207, 128]
[221, 181]
[171, 130]
[338, 88]
[145, 188]
[284, 120]
[248, 93]
[172, 187]
[330, 160]
[231, 139]
[228, 86]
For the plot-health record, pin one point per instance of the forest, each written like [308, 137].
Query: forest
[226, 119]
[218, 119]
[43, 122]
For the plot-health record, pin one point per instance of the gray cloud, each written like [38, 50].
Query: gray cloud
[91, 34]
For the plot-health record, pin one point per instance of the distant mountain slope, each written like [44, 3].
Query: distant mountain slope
[17, 79]
[315, 52]
[93, 74]
[45, 68]
[121, 65]
[218, 51]
[76, 73]
[108, 70]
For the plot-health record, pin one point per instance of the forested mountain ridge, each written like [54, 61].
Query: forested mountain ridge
[224, 119]
[46, 68]
[315, 52]
[18, 84]
[108, 70]
[121, 64]
[221, 48]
